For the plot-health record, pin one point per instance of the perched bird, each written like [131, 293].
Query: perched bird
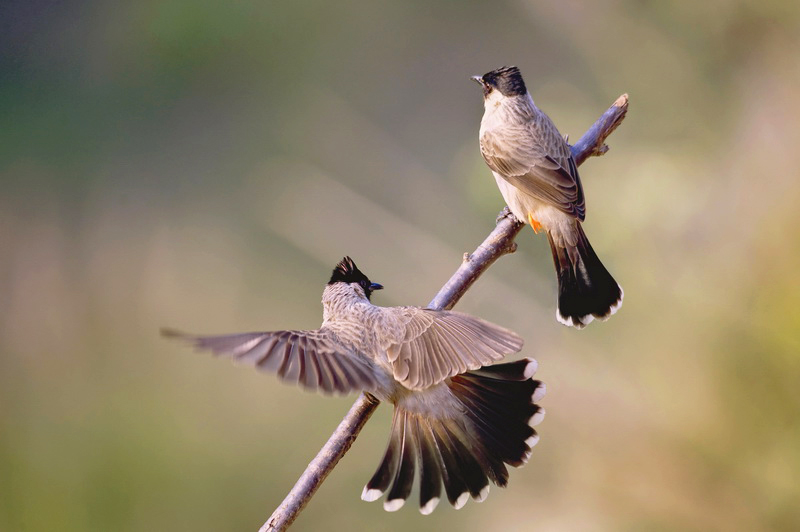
[539, 180]
[458, 416]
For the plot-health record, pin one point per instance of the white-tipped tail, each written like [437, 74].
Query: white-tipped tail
[536, 418]
[585, 288]
[530, 368]
[370, 495]
[429, 506]
[532, 441]
[393, 505]
[461, 500]
[460, 457]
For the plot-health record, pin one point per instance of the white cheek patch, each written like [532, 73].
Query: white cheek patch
[493, 100]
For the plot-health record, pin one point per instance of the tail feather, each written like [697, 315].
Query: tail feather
[491, 418]
[385, 473]
[430, 475]
[462, 474]
[404, 479]
[500, 401]
[520, 370]
[491, 464]
[466, 449]
[585, 288]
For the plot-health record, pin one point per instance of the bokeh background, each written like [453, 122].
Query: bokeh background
[203, 165]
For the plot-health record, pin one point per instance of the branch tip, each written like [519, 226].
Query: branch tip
[601, 150]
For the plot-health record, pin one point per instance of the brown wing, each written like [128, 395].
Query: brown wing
[537, 160]
[437, 344]
[314, 359]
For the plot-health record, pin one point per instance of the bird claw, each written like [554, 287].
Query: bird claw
[505, 213]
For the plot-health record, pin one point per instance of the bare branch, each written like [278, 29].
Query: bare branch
[499, 242]
[322, 464]
[593, 141]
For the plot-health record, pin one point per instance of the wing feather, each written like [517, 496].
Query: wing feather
[437, 344]
[314, 359]
[537, 160]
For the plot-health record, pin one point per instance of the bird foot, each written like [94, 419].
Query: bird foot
[506, 213]
[503, 214]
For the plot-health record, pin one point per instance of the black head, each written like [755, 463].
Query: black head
[507, 80]
[347, 272]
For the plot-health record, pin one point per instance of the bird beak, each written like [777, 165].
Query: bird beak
[376, 286]
[477, 79]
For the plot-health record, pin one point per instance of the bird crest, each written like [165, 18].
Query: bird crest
[347, 272]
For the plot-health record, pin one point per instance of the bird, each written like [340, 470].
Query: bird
[458, 415]
[538, 178]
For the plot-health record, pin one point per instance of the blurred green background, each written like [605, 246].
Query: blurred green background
[203, 165]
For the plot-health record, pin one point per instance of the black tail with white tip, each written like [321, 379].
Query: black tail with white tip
[585, 288]
[463, 450]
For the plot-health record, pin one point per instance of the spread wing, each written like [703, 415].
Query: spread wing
[534, 158]
[433, 345]
[314, 359]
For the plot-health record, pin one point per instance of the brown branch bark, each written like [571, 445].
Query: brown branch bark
[499, 242]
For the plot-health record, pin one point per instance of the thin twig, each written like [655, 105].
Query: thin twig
[499, 242]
